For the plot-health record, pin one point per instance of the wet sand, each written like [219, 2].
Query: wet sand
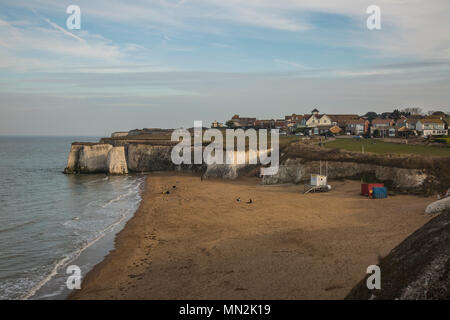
[198, 242]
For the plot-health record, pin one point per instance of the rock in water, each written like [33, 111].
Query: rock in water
[418, 268]
[116, 162]
[438, 206]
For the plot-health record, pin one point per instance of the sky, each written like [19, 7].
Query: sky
[167, 63]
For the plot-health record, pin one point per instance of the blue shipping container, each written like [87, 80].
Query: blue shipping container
[379, 193]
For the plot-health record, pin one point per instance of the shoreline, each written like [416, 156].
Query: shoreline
[87, 256]
[198, 243]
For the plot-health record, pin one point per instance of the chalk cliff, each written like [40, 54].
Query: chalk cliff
[299, 170]
[116, 162]
[145, 158]
[142, 157]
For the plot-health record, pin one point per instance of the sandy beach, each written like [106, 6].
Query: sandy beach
[198, 242]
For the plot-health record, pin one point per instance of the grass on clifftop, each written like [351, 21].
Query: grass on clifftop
[377, 146]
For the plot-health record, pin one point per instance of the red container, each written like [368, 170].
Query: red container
[367, 187]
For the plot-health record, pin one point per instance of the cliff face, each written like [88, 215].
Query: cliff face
[298, 170]
[145, 158]
[139, 157]
[96, 158]
[116, 162]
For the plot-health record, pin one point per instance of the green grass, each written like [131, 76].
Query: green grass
[381, 147]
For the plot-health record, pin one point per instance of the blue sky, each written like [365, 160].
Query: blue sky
[166, 63]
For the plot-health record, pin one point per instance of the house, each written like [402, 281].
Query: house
[431, 127]
[310, 120]
[412, 122]
[383, 128]
[265, 124]
[340, 120]
[280, 124]
[216, 124]
[357, 127]
[243, 122]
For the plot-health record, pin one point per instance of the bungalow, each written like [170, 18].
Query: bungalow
[431, 127]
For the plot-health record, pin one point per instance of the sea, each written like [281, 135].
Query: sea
[50, 221]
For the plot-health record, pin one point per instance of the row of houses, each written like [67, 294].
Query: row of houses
[316, 123]
[426, 126]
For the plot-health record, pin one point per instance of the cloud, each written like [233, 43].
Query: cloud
[64, 31]
[289, 64]
[38, 47]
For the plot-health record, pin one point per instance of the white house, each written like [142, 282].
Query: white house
[431, 127]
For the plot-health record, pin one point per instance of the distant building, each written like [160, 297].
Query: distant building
[431, 127]
[243, 122]
[357, 127]
[216, 124]
[340, 120]
[384, 127]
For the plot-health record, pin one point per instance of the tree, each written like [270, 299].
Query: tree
[412, 111]
[376, 133]
[371, 115]
[395, 115]
[385, 115]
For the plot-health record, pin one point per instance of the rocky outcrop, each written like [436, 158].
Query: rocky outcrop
[116, 162]
[298, 170]
[438, 206]
[418, 268]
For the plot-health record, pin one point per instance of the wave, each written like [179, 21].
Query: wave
[18, 226]
[66, 260]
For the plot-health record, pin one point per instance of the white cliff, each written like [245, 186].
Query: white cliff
[116, 162]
